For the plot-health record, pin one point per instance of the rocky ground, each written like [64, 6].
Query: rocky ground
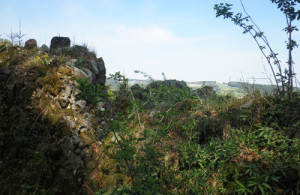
[47, 136]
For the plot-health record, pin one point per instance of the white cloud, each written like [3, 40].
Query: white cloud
[140, 37]
[155, 50]
[149, 35]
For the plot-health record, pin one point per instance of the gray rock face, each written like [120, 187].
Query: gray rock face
[90, 74]
[64, 96]
[100, 77]
[5, 70]
[44, 48]
[4, 73]
[63, 100]
[69, 151]
[70, 165]
[10, 94]
[79, 73]
[94, 69]
[97, 67]
[31, 43]
[59, 43]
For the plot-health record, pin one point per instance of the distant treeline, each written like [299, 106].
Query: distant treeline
[249, 86]
[242, 86]
[204, 82]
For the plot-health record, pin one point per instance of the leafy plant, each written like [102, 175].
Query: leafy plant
[171, 141]
[284, 113]
[283, 77]
[79, 63]
[44, 59]
[122, 82]
[92, 94]
[262, 161]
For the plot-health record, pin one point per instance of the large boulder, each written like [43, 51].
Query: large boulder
[60, 43]
[4, 73]
[99, 70]
[30, 44]
[88, 62]
[93, 68]
[44, 48]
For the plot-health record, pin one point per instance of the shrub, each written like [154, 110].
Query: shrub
[89, 92]
[285, 113]
[260, 161]
[169, 141]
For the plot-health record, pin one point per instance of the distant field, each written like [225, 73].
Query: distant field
[194, 86]
[225, 89]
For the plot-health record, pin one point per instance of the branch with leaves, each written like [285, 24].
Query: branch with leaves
[283, 78]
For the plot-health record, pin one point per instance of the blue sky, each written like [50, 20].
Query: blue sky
[183, 39]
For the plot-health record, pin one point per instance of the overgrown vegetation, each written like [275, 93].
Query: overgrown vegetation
[165, 139]
[160, 139]
[23, 157]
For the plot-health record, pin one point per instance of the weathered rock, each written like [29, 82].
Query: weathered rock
[100, 77]
[4, 73]
[95, 66]
[64, 96]
[79, 73]
[59, 43]
[68, 89]
[63, 99]
[92, 66]
[69, 121]
[72, 62]
[44, 48]
[69, 125]
[10, 90]
[81, 145]
[53, 62]
[5, 70]
[86, 153]
[30, 44]
[90, 75]
[79, 106]
[10, 94]
[83, 129]
[76, 139]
